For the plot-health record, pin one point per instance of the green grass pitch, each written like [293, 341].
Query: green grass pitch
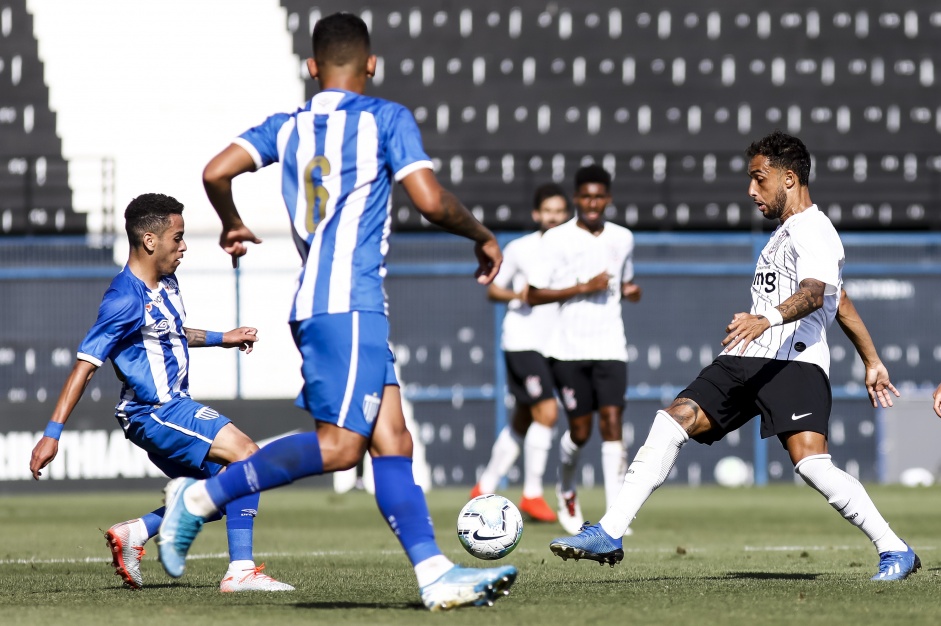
[778, 555]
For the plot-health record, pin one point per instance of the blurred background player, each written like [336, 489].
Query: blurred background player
[339, 154]
[775, 362]
[588, 267]
[526, 330]
[140, 328]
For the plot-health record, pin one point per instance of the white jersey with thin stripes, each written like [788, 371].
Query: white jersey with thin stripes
[525, 327]
[590, 326]
[805, 246]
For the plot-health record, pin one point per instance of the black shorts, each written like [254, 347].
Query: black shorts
[528, 376]
[790, 396]
[586, 385]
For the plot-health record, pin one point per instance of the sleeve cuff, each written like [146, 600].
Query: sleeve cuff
[87, 357]
[413, 167]
[251, 150]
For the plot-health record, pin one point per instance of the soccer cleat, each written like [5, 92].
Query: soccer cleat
[476, 491]
[897, 565]
[538, 509]
[126, 543]
[591, 543]
[468, 586]
[178, 528]
[251, 579]
[570, 513]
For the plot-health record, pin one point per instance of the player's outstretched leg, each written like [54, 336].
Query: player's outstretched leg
[178, 529]
[592, 543]
[126, 542]
[468, 586]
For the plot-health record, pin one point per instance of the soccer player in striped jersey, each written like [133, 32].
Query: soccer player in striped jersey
[339, 155]
[140, 327]
[775, 362]
[589, 269]
[524, 342]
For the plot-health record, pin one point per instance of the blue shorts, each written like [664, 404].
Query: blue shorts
[177, 436]
[347, 362]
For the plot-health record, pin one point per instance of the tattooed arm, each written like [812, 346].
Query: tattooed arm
[746, 327]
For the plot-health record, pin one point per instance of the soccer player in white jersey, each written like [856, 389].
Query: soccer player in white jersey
[140, 327]
[525, 332]
[588, 269]
[775, 363]
[339, 155]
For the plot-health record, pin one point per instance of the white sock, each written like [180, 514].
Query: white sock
[568, 462]
[613, 466]
[240, 566]
[197, 500]
[431, 569]
[849, 498]
[141, 528]
[506, 449]
[536, 448]
[650, 468]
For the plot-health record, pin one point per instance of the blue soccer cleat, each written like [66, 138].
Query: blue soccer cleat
[468, 586]
[178, 528]
[897, 565]
[591, 543]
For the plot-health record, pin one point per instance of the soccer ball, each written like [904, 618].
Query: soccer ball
[489, 527]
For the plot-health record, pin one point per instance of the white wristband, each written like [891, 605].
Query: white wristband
[773, 316]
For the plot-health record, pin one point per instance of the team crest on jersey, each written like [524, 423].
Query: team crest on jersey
[371, 408]
[568, 398]
[533, 386]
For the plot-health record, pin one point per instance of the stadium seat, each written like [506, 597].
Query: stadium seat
[602, 78]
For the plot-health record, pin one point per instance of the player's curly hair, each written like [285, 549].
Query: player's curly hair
[149, 213]
[339, 39]
[784, 152]
[548, 190]
[593, 173]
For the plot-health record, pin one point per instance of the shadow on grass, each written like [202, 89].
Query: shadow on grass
[766, 576]
[398, 606]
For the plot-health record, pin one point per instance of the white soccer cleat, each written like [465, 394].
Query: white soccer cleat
[126, 542]
[468, 586]
[570, 512]
[251, 579]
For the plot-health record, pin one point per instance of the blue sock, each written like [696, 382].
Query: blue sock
[280, 462]
[402, 503]
[152, 521]
[239, 526]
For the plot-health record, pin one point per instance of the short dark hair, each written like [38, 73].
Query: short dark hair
[339, 39]
[593, 173]
[548, 190]
[784, 152]
[149, 213]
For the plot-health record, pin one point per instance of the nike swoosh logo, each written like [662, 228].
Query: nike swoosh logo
[797, 417]
[486, 537]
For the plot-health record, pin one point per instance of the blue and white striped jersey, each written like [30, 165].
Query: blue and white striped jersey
[141, 331]
[339, 154]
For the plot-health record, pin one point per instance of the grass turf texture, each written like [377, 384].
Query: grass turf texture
[778, 555]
